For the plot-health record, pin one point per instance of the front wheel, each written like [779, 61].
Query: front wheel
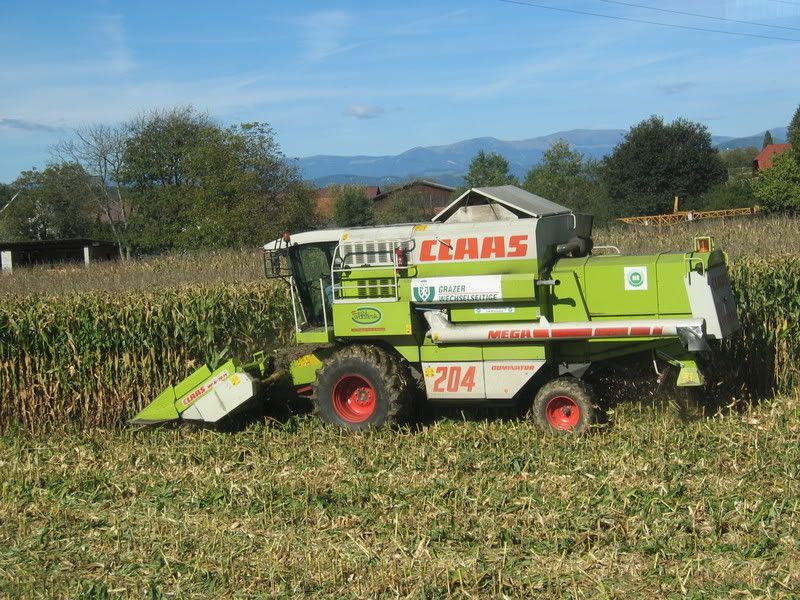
[362, 387]
[565, 406]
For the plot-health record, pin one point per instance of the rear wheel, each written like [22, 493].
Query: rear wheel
[362, 387]
[565, 405]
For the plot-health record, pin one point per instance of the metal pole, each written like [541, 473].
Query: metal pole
[14, 197]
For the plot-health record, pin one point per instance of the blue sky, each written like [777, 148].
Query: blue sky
[382, 77]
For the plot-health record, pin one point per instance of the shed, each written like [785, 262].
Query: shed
[48, 252]
[429, 195]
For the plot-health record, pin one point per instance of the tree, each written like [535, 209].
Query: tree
[352, 207]
[778, 188]
[297, 209]
[193, 184]
[566, 178]
[6, 194]
[767, 140]
[736, 193]
[487, 170]
[738, 160]
[657, 161]
[99, 151]
[52, 204]
[793, 136]
[405, 206]
[240, 188]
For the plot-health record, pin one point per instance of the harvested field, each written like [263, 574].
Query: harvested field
[654, 508]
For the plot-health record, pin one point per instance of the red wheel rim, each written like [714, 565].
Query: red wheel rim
[563, 413]
[354, 398]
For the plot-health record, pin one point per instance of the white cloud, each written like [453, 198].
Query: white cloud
[324, 34]
[111, 32]
[360, 111]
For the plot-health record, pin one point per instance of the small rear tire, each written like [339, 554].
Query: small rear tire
[565, 405]
[362, 387]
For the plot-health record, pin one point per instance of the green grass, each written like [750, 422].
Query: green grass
[654, 508]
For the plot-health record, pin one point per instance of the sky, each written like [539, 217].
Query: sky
[376, 78]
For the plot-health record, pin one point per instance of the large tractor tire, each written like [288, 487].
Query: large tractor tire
[362, 387]
[565, 405]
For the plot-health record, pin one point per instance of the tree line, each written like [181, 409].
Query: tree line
[166, 180]
[655, 162]
[176, 180]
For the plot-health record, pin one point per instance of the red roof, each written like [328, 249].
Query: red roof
[763, 159]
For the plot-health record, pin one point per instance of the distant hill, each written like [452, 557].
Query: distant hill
[448, 163]
[779, 136]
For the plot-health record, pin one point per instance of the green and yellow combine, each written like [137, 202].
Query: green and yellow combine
[501, 298]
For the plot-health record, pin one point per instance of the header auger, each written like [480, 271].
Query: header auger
[497, 300]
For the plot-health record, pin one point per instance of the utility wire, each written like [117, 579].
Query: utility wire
[630, 20]
[688, 14]
[785, 2]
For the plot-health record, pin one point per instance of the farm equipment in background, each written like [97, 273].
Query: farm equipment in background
[682, 216]
[499, 299]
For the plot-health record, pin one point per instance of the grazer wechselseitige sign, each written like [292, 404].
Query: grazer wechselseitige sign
[434, 290]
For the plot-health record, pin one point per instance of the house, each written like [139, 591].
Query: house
[433, 196]
[326, 197]
[48, 252]
[763, 159]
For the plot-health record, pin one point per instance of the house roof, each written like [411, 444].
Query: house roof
[763, 159]
[520, 202]
[422, 182]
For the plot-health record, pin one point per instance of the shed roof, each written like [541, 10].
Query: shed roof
[415, 182]
[520, 202]
[67, 244]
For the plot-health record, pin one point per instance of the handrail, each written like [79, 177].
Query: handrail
[387, 247]
[324, 311]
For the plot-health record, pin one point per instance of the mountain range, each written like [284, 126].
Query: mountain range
[448, 163]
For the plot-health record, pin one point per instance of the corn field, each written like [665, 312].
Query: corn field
[93, 358]
[764, 356]
[94, 355]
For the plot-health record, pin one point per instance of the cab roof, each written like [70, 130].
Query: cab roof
[309, 237]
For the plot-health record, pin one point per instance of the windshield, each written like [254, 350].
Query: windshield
[312, 269]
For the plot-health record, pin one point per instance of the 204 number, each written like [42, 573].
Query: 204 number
[454, 379]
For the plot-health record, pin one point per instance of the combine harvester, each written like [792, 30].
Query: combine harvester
[498, 300]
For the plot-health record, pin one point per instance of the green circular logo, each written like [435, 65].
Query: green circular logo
[635, 279]
[366, 315]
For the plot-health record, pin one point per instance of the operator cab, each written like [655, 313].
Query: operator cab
[304, 260]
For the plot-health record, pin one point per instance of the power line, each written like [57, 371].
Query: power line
[630, 20]
[785, 2]
[688, 14]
